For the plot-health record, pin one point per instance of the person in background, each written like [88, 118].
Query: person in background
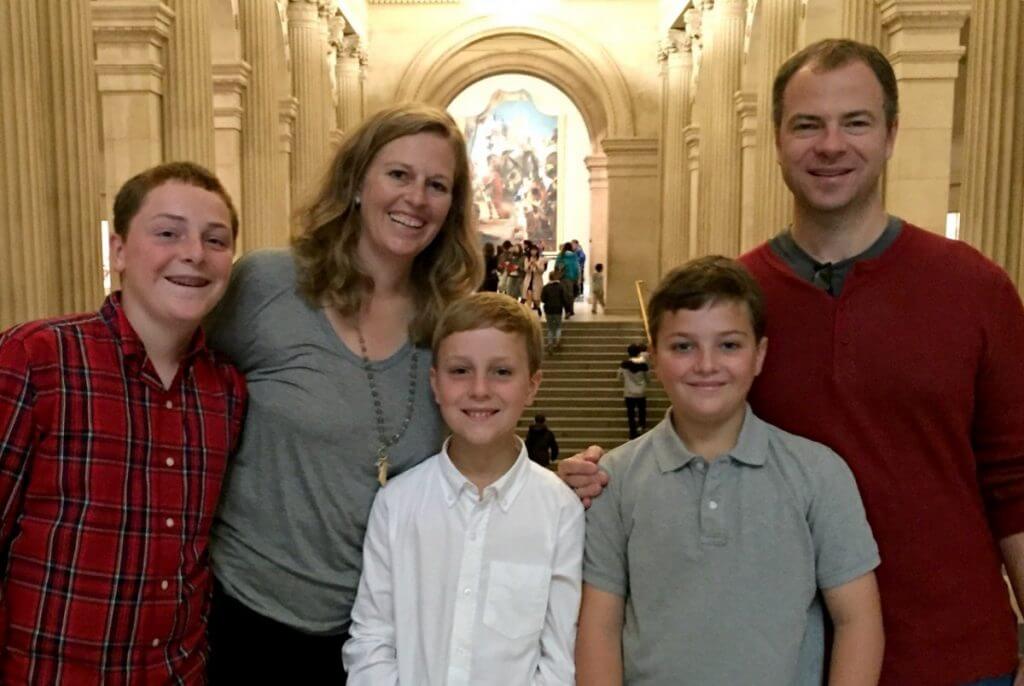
[472, 559]
[536, 265]
[490, 282]
[567, 265]
[116, 430]
[633, 372]
[597, 288]
[582, 259]
[556, 303]
[333, 338]
[515, 268]
[541, 443]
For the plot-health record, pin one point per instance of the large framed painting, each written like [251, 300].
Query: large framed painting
[513, 148]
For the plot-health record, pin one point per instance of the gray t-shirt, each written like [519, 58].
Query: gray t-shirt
[289, 534]
[721, 562]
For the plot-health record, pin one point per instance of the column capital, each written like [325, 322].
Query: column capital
[746, 109]
[118, 21]
[306, 12]
[231, 77]
[352, 48]
[597, 165]
[923, 14]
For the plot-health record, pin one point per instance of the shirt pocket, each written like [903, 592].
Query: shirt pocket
[517, 598]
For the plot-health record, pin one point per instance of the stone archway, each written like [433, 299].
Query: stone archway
[581, 68]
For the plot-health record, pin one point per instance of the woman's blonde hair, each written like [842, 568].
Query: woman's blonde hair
[325, 250]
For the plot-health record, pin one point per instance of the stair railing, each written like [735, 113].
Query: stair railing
[640, 286]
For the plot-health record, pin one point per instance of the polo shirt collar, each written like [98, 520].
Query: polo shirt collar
[505, 489]
[672, 454]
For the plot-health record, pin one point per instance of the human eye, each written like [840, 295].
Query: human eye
[457, 370]
[397, 174]
[218, 241]
[682, 346]
[439, 186]
[731, 345]
[165, 232]
[503, 371]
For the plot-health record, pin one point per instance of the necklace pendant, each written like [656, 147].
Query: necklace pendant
[382, 468]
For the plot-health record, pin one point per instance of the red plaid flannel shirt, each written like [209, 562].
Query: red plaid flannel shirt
[108, 487]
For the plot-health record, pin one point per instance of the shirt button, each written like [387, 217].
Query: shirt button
[169, 405]
[169, 522]
[466, 591]
[164, 585]
[700, 466]
[713, 505]
[169, 462]
[156, 642]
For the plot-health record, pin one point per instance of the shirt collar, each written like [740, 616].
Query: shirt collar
[112, 313]
[505, 489]
[672, 454]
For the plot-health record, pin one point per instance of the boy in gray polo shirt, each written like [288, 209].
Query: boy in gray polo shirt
[719, 537]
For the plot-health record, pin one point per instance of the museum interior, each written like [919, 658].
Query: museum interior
[650, 118]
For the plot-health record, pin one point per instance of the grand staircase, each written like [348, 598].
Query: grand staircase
[580, 394]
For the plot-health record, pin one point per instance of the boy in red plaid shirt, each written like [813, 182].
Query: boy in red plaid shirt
[115, 428]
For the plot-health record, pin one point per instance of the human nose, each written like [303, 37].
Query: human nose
[479, 387]
[831, 141]
[706, 361]
[417, 194]
[191, 248]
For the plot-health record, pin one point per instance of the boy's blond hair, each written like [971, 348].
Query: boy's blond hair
[490, 310]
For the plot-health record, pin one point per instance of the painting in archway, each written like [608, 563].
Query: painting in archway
[513, 148]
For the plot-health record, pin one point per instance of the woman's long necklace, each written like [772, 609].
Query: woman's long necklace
[385, 441]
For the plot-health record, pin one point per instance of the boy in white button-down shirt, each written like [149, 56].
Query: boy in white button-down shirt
[472, 560]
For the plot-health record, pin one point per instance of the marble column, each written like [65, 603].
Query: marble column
[26, 289]
[188, 84]
[991, 199]
[287, 116]
[130, 37]
[691, 136]
[264, 183]
[229, 82]
[634, 210]
[747, 111]
[326, 91]
[74, 173]
[773, 204]
[720, 191]
[861, 21]
[597, 167]
[349, 74]
[925, 51]
[304, 41]
[676, 60]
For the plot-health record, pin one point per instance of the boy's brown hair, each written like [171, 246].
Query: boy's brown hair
[490, 310]
[134, 191]
[706, 281]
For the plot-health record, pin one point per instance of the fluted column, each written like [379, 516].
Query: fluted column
[130, 37]
[287, 115]
[349, 70]
[861, 21]
[691, 137]
[722, 63]
[747, 110]
[309, 139]
[264, 217]
[188, 85]
[773, 205]
[991, 200]
[74, 167]
[677, 61]
[25, 288]
[229, 82]
[925, 51]
[326, 90]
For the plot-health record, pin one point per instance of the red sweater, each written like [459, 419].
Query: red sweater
[915, 375]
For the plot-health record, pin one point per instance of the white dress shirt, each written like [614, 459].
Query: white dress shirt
[461, 588]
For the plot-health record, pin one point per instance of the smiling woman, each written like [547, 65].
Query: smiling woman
[332, 338]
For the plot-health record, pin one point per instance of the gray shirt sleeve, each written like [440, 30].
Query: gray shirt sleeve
[605, 563]
[843, 543]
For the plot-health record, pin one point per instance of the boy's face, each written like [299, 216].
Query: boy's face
[707, 360]
[176, 258]
[482, 383]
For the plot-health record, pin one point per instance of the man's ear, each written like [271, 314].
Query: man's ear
[117, 261]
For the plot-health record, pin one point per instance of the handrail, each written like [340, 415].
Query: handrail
[643, 310]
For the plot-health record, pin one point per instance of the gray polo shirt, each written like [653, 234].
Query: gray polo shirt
[720, 563]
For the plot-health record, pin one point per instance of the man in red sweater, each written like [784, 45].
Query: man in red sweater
[902, 351]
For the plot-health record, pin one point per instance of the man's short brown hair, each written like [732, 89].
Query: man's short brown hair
[134, 191]
[706, 281]
[833, 53]
[486, 311]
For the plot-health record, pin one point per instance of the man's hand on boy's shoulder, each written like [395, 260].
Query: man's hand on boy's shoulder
[583, 475]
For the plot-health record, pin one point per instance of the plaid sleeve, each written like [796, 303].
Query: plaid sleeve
[16, 434]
